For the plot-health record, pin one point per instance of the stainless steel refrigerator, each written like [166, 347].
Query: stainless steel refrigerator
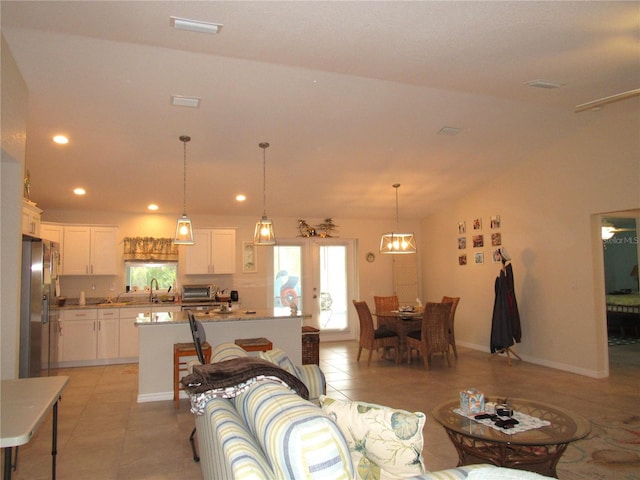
[38, 310]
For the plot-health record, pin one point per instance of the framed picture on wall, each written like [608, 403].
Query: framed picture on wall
[495, 255]
[249, 258]
[478, 258]
[495, 221]
[462, 243]
[478, 241]
[496, 239]
[462, 259]
[462, 227]
[477, 224]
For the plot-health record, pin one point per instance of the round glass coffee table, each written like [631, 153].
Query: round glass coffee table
[537, 450]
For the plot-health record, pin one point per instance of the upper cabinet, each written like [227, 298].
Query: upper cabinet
[31, 216]
[53, 232]
[89, 250]
[214, 252]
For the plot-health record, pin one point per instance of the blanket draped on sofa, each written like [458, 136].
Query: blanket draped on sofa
[229, 378]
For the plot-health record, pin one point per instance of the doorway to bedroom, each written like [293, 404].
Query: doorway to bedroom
[620, 248]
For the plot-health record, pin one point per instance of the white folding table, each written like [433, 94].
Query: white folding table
[24, 402]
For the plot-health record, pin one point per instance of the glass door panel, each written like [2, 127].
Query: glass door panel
[332, 268]
[287, 283]
[318, 275]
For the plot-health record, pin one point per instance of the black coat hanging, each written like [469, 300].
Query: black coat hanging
[505, 323]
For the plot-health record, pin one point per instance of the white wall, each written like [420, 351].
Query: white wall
[547, 208]
[14, 113]
[375, 278]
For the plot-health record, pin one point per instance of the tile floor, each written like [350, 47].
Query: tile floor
[105, 434]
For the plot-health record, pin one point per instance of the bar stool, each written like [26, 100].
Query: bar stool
[182, 350]
[254, 344]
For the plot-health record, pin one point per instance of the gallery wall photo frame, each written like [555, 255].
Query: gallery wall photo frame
[478, 258]
[249, 258]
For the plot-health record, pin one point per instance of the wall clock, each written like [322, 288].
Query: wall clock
[370, 257]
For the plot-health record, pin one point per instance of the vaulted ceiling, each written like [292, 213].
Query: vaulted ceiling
[350, 95]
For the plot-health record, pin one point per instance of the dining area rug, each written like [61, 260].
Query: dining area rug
[610, 452]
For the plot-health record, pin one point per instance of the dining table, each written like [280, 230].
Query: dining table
[401, 322]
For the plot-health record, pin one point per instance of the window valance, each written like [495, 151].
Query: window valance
[149, 249]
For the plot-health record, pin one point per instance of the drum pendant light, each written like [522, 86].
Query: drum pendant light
[397, 243]
[184, 230]
[264, 234]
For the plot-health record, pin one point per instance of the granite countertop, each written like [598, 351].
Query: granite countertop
[155, 306]
[172, 318]
[103, 303]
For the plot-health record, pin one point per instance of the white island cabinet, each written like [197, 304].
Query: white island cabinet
[89, 250]
[214, 252]
[159, 332]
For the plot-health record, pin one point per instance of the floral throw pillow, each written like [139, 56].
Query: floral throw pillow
[385, 443]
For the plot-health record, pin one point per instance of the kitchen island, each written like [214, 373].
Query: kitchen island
[158, 331]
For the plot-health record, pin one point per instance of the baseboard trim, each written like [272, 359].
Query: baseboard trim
[545, 363]
[155, 397]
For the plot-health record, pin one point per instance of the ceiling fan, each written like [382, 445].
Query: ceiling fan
[609, 230]
[607, 100]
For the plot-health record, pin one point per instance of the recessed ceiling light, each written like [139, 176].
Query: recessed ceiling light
[153, 206]
[548, 84]
[240, 197]
[194, 25]
[79, 191]
[61, 139]
[451, 131]
[180, 101]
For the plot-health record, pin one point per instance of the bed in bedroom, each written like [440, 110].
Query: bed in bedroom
[623, 313]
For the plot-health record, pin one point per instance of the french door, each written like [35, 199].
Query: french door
[318, 276]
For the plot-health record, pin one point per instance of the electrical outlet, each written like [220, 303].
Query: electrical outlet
[112, 287]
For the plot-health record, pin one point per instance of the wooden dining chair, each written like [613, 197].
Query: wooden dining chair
[385, 304]
[374, 339]
[452, 336]
[433, 337]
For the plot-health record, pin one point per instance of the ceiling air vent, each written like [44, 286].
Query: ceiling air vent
[451, 131]
[548, 84]
[194, 25]
[180, 101]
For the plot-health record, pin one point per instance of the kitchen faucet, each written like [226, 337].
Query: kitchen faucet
[151, 289]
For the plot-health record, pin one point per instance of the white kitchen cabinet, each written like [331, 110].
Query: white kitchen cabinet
[89, 250]
[78, 335]
[88, 336]
[128, 333]
[214, 252]
[108, 337]
[31, 216]
[53, 232]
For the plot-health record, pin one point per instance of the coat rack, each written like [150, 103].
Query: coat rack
[505, 324]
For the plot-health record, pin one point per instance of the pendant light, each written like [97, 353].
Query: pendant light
[264, 228]
[397, 243]
[184, 231]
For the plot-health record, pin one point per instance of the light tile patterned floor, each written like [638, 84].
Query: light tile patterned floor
[105, 434]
